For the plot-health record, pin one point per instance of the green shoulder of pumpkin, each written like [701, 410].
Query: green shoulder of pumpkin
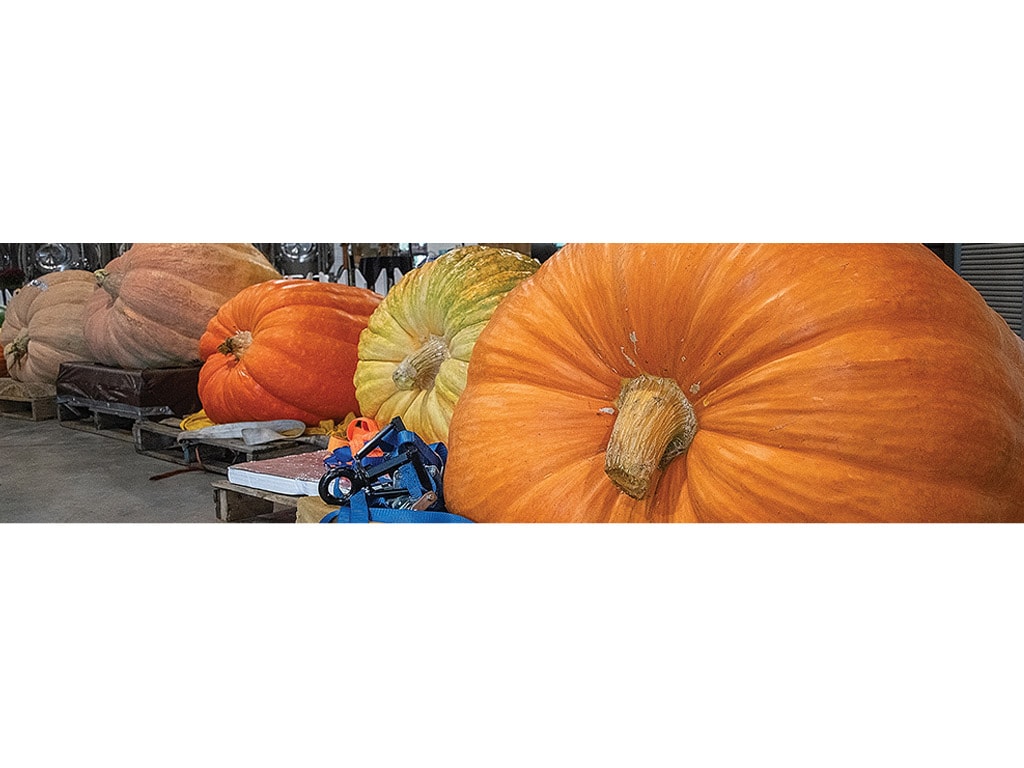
[457, 292]
[471, 283]
[407, 310]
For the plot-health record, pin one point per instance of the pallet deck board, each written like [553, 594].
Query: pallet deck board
[28, 408]
[158, 439]
[95, 419]
[215, 455]
[238, 503]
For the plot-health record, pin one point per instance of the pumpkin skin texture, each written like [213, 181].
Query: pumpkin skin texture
[157, 299]
[44, 326]
[284, 349]
[414, 355]
[827, 383]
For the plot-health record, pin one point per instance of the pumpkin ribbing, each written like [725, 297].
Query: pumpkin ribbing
[284, 349]
[835, 382]
[43, 327]
[414, 354]
[158, 297]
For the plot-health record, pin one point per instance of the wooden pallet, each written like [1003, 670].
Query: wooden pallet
[96, 419]
[152, 438]
[28, 408]
[159, 440]
[239, 504]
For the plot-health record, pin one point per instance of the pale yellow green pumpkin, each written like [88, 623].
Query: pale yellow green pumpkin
[415, 353]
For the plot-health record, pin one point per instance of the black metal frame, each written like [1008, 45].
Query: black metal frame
[371, 259]
[368, 259]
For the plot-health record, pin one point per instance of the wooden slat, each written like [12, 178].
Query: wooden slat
[28, 408]
[237, 504]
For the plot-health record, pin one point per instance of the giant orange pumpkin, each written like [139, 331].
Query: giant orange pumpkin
[157, 298]
[674, 382]
[284, 349]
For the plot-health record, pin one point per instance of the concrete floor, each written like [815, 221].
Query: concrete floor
[53, 474]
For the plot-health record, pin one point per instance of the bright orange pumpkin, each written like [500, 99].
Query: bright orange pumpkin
[758, 382]
[284, 349]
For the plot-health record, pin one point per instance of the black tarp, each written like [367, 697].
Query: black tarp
[141, 392]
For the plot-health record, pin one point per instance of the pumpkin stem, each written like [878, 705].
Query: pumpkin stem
[17, 349]
[236, 345]
[108, 282]
[655, 424]
[419, 369]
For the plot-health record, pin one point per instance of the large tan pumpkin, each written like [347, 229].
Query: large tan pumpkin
[3, 359]
[44, 326]
[756, 382]
[155, 300]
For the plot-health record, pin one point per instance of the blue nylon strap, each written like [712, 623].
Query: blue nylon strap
[387, 515]
[358, 512]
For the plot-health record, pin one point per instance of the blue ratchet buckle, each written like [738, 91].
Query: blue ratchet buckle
[402, 486]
